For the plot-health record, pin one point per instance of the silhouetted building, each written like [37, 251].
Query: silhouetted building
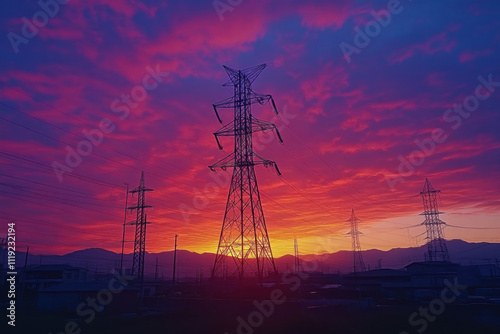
[46, 276]
[67, 297]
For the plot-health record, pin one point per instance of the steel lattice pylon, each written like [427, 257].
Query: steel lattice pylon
[244, 235]
[436, 246]
[296, 257]
[357, 257]
[140, 228]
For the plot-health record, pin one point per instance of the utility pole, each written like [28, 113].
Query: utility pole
[175, 260]
[436, 246]
[124, 224]
[156, 270]
[244, 238]
[24, 275]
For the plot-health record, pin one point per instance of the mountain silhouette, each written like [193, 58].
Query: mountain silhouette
[191, 264]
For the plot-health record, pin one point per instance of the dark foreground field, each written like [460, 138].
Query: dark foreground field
[290, 319]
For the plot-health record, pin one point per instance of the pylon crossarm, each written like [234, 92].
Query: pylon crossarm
[430, 212]
[136, 190]
[232, 74]
[226, 131]
[232, 102]
[253, 72]
[227, 103]
[262, 99]
[259, 125]
[250, 74]
[258, 160]
[223, 164]
[269, 163]
[259, 98]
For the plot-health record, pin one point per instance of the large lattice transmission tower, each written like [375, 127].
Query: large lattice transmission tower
[140, 228]
[357, 263]
[244, 239]
[436, 246]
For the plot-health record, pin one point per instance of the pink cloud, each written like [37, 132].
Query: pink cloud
[326, 15]
[471, 55]
[433, 45]
[330, 81]
[346, 147]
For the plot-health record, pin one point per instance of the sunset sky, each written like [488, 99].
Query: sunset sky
[364, 114]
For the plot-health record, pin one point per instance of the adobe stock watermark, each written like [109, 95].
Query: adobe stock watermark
[121, 107]
[222, 6]
[436, 307]
[49, 9]
[203, 197]
[372, 29]
[455, 115]
[265, 308]
[87, 309]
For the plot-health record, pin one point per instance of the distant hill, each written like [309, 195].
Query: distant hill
[190, 264]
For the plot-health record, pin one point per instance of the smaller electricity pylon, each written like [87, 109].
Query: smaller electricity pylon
[296, 257]
[436, 246]
[140, 228]
[357, 257]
